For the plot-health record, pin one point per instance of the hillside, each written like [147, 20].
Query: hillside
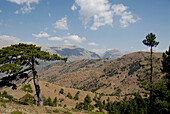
[109, 76]
[48, 90]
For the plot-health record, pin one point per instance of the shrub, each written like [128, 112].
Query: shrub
[3, 105]
[69, 95]
[55, 101]
[65, 106]
[16, 112]
[61, 100]
[5, 94]
[61, 91]
[27, 88]
[76, 97]
[48, 102]
[86, 104]
[27, 99]
[60, 105]
[56, 111]
[76, 110]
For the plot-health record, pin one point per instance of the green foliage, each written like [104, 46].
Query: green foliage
[61, 100]
[7, 96]
[27, 88]
[166, 63]
[65, 106]
[87, 99]
[60, 105]
[99, 105]
[3, 105]
[66, 112]
[56, 111]
[86, 104]
[134, 67]
[61, 91]
[55, 101]
[48, 102]
[16, 112]
[76, 110]
[76, 97]
[15, 61]
[69, 95]
[27, 99]
[150, 40]
[138, 105]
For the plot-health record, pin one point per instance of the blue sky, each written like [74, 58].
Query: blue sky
[96, 25]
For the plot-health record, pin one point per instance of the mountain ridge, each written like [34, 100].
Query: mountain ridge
[107, 76]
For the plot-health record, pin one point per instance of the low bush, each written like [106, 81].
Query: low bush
[16, 112]
[27, 99]
[27, 88]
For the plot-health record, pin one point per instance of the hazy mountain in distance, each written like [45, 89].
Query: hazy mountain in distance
[113, 54]
[72, 52]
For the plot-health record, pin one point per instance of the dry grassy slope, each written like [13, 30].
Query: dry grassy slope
[100, 75]
[48, 90]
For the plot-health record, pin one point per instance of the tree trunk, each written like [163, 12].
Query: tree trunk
[151, 82]
[36, 84]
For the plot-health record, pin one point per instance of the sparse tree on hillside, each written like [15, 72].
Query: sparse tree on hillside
[17, 60]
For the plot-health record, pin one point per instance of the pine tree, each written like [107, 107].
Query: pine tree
[55, 101]
[150, 41]
[17, 60]
[87, 101]
[69, 95]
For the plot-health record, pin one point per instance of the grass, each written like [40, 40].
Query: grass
[76, 110]
[66, 112]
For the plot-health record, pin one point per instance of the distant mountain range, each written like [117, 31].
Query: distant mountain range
[78, 53]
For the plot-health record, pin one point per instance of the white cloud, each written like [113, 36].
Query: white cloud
[27, 5]
[92, 44]
[156, 49]
[41, 35]
[98, 10]
[27, 9]
[55, 39]
[73, 39]
[126, 16]
[61, 24]
[101, 13]
[19, 2]
[16, 12]
[10, 38]
[6, 40]
[74, 7]
[0, 11]
[99, 51]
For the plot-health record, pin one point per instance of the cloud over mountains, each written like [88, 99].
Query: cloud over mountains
[102, 12]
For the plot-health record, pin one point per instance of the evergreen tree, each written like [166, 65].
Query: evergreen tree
[61, 91]
[87, 99]
[69, 95]
[17, 60]
[161, 90]
[76, 97]
[49, 102]
[150, 41]
[55, 101]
